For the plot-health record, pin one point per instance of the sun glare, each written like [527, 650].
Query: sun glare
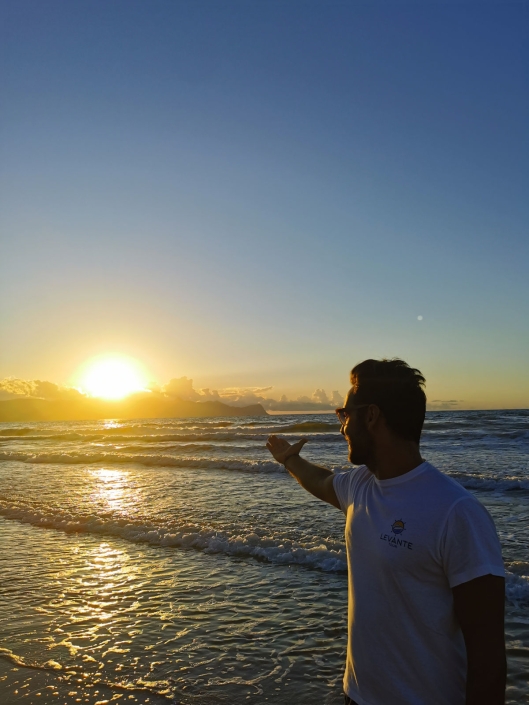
[112, 378]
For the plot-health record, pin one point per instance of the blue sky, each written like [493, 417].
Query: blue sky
[265, 193]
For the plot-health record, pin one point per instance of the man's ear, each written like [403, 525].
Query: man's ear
[373, 416]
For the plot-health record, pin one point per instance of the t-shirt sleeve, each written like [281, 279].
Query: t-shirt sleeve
[344, 483]
[470, 545]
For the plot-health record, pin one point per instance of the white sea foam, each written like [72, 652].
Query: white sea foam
[491, 484]
[222, 436]
[217, 436]
[155, 460]
[56, 485]
[313, 553]
[517, 582]
[467, 480]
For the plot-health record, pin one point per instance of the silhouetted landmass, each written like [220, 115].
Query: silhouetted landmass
[133, 407]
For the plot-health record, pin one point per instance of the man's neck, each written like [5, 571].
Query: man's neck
[395, 459]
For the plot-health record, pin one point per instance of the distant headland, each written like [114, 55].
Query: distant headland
[136, 406]
[101, 396]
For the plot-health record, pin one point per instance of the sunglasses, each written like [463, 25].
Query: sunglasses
[343, 414]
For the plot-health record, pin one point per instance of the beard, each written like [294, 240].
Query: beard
[361, 445]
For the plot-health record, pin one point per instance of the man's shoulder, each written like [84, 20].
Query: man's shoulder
[346, 483]
[446, 489]
[353, 474]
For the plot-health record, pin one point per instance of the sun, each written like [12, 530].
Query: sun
[112, 377]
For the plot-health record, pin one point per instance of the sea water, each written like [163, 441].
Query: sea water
[173, 561]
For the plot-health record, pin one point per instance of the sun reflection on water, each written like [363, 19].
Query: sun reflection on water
[111, 488]
[106, 572]
[89, 615]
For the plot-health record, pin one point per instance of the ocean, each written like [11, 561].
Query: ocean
[173, 561]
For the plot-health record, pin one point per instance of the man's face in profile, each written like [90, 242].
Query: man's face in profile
[355, 432]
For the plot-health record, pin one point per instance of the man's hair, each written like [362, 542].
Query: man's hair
[397, 390]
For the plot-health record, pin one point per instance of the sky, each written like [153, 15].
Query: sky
[262, 194]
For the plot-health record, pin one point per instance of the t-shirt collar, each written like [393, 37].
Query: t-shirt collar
[411, 475]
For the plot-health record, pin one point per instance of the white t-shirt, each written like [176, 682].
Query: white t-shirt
[410, 540]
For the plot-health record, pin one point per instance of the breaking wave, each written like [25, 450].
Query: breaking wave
[309, 427]
[491, 484]
[517, 582]
[469, 481]
[268, 466]
[313, 554]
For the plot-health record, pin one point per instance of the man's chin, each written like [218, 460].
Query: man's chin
[353, 459]
[356, 458]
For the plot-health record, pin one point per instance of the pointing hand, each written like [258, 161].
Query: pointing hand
[281, 449]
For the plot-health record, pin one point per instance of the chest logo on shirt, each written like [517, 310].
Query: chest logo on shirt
[397, 528]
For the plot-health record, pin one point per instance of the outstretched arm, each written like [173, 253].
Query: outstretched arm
[315, 479]
[479, 608]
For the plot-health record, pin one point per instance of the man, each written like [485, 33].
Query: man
[426, 577]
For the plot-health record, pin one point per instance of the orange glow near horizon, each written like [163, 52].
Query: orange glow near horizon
[112, 377]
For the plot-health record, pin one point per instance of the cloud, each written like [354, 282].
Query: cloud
[243, 396]
[181, 388]
[207, 395]
[444, 404]
[320, 396]
[319, 401]
[13, 388]
[337, 399]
